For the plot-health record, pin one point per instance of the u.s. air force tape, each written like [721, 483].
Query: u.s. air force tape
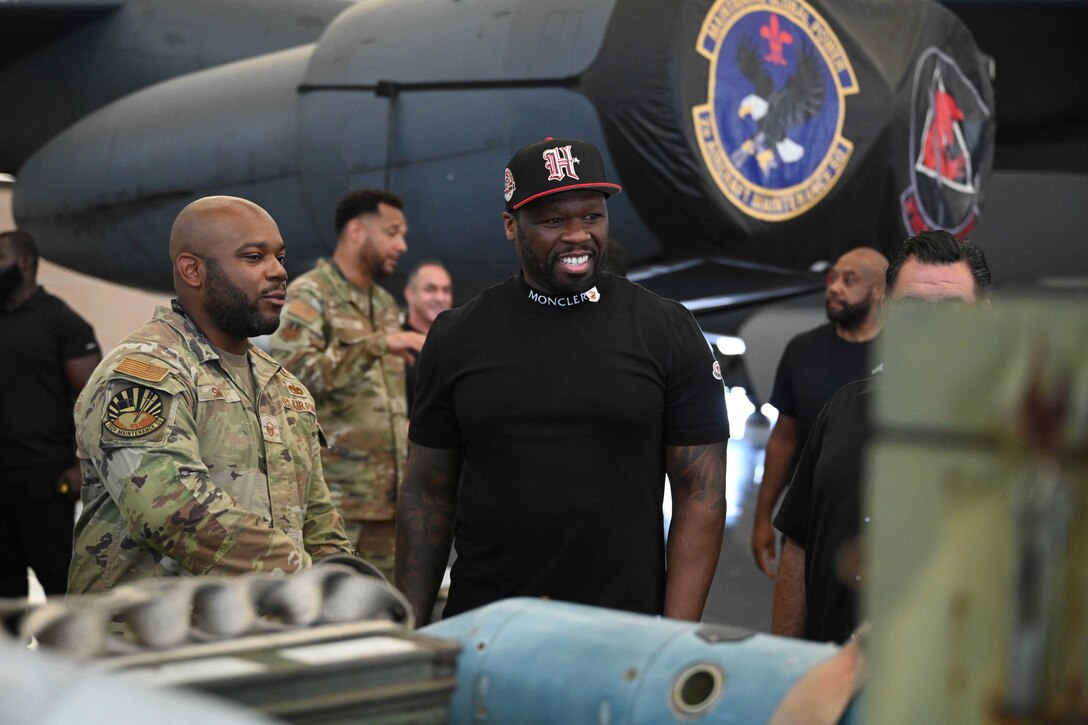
[134, 412]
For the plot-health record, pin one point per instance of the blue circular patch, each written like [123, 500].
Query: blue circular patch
[771, 130]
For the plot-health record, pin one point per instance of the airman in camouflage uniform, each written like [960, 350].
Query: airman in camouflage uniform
[191, 466]
[341, 336]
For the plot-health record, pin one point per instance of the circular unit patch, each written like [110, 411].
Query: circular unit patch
[950, 147]
[770, 132]
[134, 412]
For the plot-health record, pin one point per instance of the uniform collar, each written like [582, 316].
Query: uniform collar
[175, 317]
[346, 288]
[264, 365]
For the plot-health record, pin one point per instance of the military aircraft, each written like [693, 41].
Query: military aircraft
[753, 139]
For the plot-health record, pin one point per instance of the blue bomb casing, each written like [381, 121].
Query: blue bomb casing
[537, 661]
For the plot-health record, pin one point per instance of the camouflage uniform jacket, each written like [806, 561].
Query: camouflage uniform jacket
[333, 339]
[183, 476]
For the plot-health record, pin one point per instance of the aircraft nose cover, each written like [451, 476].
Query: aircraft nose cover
[780, 130]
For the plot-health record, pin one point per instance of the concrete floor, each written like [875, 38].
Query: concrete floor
[741, 594]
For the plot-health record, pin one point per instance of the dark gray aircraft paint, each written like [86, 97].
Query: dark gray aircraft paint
[133, 109]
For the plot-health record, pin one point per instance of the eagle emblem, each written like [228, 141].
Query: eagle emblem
[771, 130]
[775, 111]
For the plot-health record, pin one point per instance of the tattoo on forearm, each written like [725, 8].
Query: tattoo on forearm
[425, 512]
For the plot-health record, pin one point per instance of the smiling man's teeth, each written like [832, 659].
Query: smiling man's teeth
[575, 261]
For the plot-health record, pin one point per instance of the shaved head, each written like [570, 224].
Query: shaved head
[854, 286]
[227, 257]
[206, 225]
[869, 262]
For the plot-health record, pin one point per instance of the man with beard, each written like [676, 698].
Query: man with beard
[824, 513]
[49, 352]
[341, 336]
[428, 292]
[199, 451]
[814, 365]
[549, 410]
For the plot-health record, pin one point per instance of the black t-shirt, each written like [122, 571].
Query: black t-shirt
[814, 365]
[822, 508]
[561, 408]
[36, 426]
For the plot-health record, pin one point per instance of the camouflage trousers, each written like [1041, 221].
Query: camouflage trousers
[374, 542]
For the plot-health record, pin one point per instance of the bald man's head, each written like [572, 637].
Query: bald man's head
[205, 225]
[227, 256]
[870, 262]
[854, 286]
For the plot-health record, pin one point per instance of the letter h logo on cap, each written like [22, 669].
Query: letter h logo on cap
[559, 163]
[551, 166]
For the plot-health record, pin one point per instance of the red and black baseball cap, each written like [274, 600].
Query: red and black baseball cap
[551, 166]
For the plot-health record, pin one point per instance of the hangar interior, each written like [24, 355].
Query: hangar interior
[297, 111]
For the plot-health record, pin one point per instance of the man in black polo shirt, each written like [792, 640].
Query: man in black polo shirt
[49, 352]
[547, 413]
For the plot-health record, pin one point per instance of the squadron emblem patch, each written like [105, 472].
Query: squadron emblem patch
[949, 148]
[770, 132]
[134, 412]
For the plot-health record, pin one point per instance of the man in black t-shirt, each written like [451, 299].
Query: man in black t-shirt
[814, 365]
[548, 411]
[822, 514]
[49, 352]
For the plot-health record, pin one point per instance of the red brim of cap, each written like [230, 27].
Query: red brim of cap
[606, 189]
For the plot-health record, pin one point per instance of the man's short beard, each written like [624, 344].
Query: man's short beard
[546, 272]
[377, 271]
[850, 317]
[230, 310]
